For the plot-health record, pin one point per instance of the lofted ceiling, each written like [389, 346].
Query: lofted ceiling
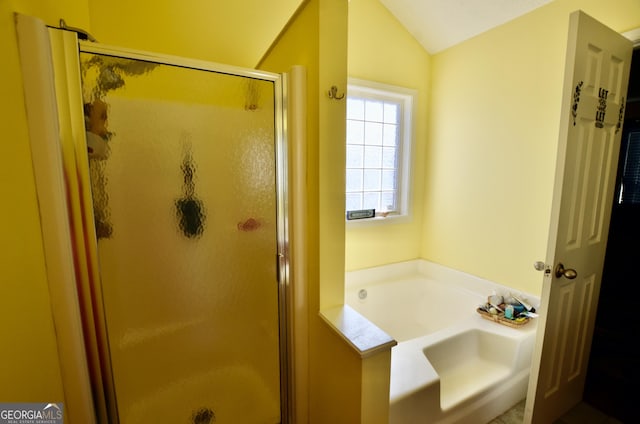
[439, 24]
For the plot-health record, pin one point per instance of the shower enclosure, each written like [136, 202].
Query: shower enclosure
[175, 174]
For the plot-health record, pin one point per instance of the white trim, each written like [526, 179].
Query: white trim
[298, 297]
[634, 36]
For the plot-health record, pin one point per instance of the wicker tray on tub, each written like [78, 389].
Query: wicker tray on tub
[500, 319]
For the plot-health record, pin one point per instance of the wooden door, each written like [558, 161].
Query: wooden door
[596, 78]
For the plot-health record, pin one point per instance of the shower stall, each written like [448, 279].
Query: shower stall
[174, 175]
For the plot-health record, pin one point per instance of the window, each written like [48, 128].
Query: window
[379, 136]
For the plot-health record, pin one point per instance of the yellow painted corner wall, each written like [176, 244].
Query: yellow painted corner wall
[230, 32]
[381, 50]
[493, 130]
[313, 39]
[29, 364]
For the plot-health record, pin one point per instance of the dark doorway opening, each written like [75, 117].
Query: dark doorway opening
[614, 364]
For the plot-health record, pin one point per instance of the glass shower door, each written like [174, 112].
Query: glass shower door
[182, 162]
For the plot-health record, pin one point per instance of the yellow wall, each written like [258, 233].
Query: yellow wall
[29, 368]
[230, 32]
[381, 50]
[493, 129]
[316, 39]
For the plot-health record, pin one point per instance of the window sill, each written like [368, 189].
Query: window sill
[378, 220]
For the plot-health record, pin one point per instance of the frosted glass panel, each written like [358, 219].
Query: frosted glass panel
[373, 133]
[183, 175]
[355, 156]
[388, 179]
[389, 158]
[390, 135]
[355, 132]
[372, 200]
[391, 113]
[372, 157]
[372, 179]
[355, 109]
[389, 200]
[354, 180]
[374, 111]
[354, 201]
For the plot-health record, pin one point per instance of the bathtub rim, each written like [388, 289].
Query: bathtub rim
[388, 273]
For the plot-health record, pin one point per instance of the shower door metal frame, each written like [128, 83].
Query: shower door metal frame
[282, 201]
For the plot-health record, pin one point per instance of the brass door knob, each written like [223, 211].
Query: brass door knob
[569, 274]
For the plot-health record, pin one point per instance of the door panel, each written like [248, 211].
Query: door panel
[183, 179]
[596, 77]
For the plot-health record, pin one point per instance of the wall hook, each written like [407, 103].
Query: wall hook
[333, 93]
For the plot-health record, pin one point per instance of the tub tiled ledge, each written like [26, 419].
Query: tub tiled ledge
[360, 333]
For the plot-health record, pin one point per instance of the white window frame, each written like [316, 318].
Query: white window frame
[407, 98]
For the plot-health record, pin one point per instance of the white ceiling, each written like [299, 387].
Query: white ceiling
[439, 24]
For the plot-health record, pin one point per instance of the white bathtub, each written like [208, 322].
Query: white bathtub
[450, 364]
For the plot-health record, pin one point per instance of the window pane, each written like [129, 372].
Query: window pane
[388, 179]
[391, 113]
[372, 179]
[354, 180]
[373, 111]
[354, 201]
[389, 201]
[371, 201]
[355, 109]
[389, 157]
[373, 132]
[355, 132]
[390, 135]
[372, 157]
[355, 156]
